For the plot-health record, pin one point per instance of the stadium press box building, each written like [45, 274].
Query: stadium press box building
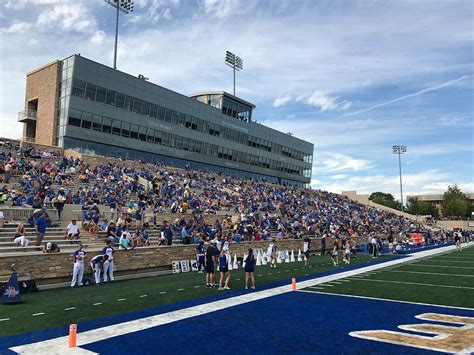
[80, 104]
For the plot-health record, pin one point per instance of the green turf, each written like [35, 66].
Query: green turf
[54, 302]
[416, 287]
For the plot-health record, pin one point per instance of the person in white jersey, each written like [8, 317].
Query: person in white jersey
[78, 268]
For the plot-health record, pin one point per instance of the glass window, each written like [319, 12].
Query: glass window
[75, 117]
[106, 124]
[125, 129]
[172, 140]
[117, 124]
[149, 135]
[168, 115]
[134, 131]
[161, 113]
[137, 105]
[100, 94]
[90, 91]
[97, 123]
[128, 103]
[165, 138]
[79, 88]
[86, 120]
[146, 108]
[158, 137]
[179, 142]
[110, 99]
[185, 143]
[119, 100]
[153, 110]
[142, 133]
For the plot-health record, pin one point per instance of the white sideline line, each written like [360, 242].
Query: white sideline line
[417, 284]
[386, 299]
[60, 345]
[37, 314]
[430, 273]
[445, 266]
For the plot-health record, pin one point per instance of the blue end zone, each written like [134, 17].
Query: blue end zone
[294, 322]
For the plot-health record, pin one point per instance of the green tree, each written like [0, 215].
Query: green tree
[455, 202]
[422, 208]
[384, 199]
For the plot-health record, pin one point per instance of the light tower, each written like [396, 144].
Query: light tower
[235, 62]
[400, 149]
[126, 6]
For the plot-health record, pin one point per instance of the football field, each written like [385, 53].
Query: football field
[418, 303]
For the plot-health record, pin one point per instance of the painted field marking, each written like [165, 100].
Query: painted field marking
[142, 296]
[445, 266]
[180, 289]
[197, 286]
[429, 273]
[237, 279]
[97, 304]
[385, 299]
[417, 284]
[37, 314]
[278, 272]
[334, 283]
[4, 319]
[162, 292]
[269, 273]
[326, 285]
[344, 280]
[315, 288]
[259, 275]
[455, 262]
[121, 299]
[59, 345]
[69, 309]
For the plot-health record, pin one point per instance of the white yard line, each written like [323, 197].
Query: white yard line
[97, 304]
[385, 299]
[60, 345]
[429, 273]
[37, 314]
[4, 319]
[415, 283]
[69, 309]
[445, 266]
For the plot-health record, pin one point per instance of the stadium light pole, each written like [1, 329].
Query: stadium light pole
[400, 149]
[235, 62]
[126, 6]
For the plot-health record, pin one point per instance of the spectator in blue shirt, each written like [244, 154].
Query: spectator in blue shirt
[40, 225]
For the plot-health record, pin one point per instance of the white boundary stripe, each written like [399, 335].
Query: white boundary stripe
[385, 299]
[37, 314]
[60, 345]
[429, 273]
[445, 266]
[69, 309]
[4, 319]
[416, 283]
[97, 304]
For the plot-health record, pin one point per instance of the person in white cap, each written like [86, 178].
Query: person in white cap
[78, 269]
[51, 247]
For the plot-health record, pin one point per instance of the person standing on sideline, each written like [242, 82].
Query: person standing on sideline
[40, 225]
[210, 266]
[306, 246]
[323, 243]
[374, 247]
[335, 253]
[272, 254]
[78, 269]
[457, 241]
[347, 253]
[96, 261]
[224, 269]
[250, 269]
[109, 262]
[200, 250]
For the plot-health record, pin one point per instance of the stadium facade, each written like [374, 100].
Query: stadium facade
[80, 104]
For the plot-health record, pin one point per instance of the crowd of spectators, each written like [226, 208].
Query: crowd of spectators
[135, 194]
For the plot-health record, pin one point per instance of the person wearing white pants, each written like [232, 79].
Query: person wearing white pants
[109, 263]
[96, 261]
[22, 240]
[78, 269]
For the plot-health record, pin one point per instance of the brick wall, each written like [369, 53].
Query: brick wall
[42, 84]
[53, 268]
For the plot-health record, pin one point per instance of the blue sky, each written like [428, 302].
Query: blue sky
[352, 77]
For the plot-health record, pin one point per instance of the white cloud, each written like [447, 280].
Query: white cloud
[223, 8]
[338, 176]
[328, 162]
[153, 10]
[15, 4]
[17, 27]
[346, 105]
[453, 120]
[322, 100]
[98, 37]
[281, 101]
[415, 94]
[68, 17]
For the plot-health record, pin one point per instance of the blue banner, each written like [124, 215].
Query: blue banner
[11, 292]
